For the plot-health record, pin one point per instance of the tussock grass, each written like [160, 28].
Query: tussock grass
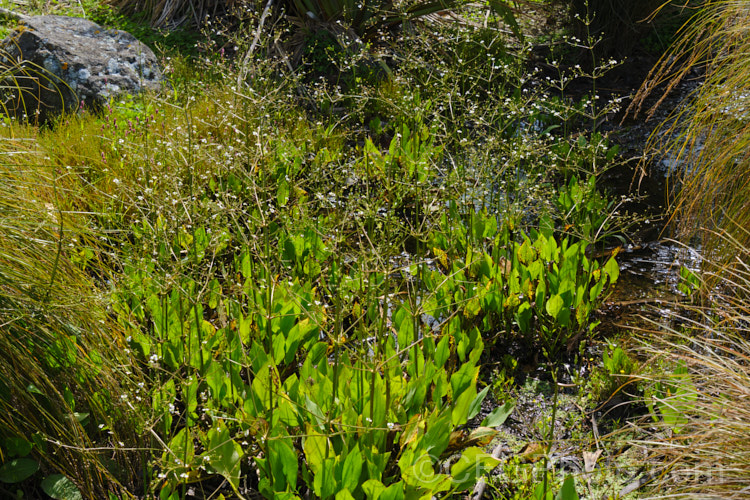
[172, 13]
[67, 389]
[710, 137]
[699, 444]
[703, 449]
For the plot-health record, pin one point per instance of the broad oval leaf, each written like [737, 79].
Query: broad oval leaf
[554, 305]
[18, 469]
[60, 487]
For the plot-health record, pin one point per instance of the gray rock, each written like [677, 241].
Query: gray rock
[64, 63]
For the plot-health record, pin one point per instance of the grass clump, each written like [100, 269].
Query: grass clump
[70, 400]
[697, 442]
[711, 139]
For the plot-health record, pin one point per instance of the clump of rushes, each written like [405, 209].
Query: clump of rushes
[698, 432]
[710, 136]
[70, 396]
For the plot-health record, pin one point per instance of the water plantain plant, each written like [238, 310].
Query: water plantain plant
[306, 301]
[289, 352]
[543, 285]
[277, 356]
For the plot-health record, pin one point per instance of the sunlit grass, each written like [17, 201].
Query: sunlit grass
[66, 392]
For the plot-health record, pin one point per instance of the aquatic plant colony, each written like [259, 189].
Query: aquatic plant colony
[327, 262]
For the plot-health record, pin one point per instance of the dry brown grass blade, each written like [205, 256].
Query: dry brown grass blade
[673, 66]
[708, 456]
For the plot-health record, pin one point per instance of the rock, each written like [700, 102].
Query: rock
[64, 63]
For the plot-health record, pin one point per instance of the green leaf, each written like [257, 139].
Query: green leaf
[34, 390]
[373, 488]
[81, 418]
[678, 398]
[541, 494]
[282, 194]
[463, 379]
[481, 436]
[216, 380]
[512, 301]
[499, 415]
[214, 293]
[314, 446]
[547, 230]
[568, 490]
[246, 265]
[526, 253]
[17, 446]
[352, 469]
[582, 314]
[283, 464]
[437, 437]
[422, 475]
[278, 495]
[375, 461]
[324, 482]
[612, 269]
[506, 12]
[18, 469]
[473, 463]
[278, 347]
[60, 487]
[344, 494]
[225, 455]
[472, 308]
[442, 351]
[476, 404]
[393, 492]
[314, 410]
[460, 412]
[554, 305]
[523, 316]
